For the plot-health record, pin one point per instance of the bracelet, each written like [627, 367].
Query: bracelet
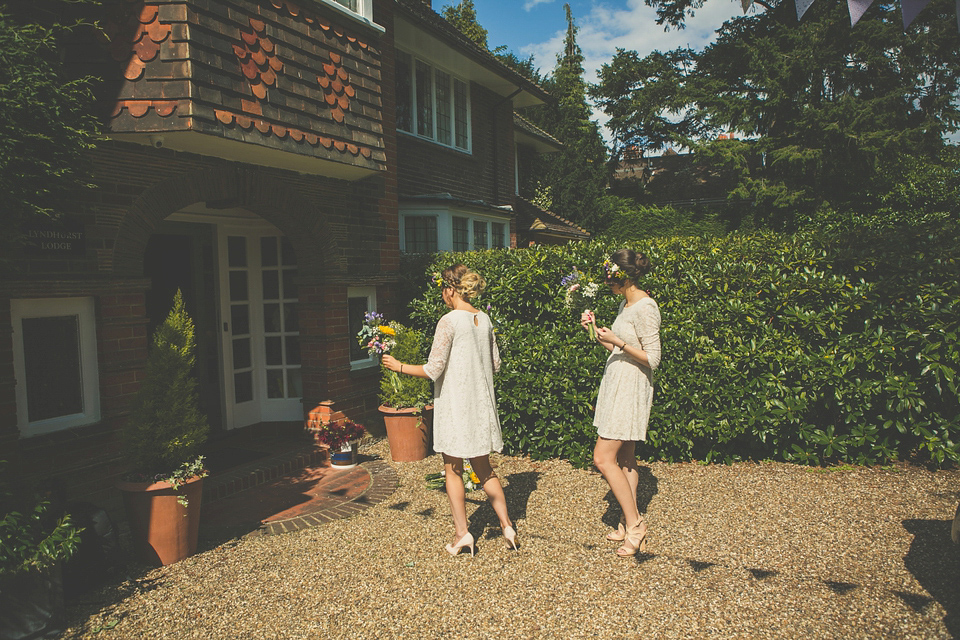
[401, 368]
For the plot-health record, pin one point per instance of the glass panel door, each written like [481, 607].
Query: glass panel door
[261, 335]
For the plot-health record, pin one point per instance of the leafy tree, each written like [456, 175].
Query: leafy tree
[47, 124]
[464, 17]
[826, 108]
[577, 174]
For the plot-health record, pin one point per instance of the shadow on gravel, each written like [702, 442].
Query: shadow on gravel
[646, 489]
[934, 561]
[518, 490]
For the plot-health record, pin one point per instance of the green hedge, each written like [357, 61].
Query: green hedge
[799, 348]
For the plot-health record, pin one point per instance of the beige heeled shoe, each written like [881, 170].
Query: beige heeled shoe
[634, 540]
[618, 534]
[465, 541]
[511, 536]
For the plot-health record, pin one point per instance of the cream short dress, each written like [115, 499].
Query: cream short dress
[462, 361]
[626, 391]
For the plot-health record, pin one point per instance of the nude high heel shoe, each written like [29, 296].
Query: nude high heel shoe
[465, 541]
[621, 531]
[634, 540]
[511, 536]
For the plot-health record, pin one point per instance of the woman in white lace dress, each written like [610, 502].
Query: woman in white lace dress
[626, 390]
[462, 362]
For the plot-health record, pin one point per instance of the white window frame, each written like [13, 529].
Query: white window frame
[84, 309]
[370, 293]
[453, 111]
[445, 218]
[363, 14]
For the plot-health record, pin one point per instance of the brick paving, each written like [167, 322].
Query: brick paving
[291, 493]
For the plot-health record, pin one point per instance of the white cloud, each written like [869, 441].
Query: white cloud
[530, 4]
[631, 27]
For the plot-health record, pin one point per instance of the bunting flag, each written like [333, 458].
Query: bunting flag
[857, 8]
[746, 4]
[910, 9]
[803, 5]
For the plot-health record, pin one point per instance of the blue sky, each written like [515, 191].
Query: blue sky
[537, 27]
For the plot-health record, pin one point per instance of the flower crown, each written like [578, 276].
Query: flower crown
[613, 270]
[442, 282]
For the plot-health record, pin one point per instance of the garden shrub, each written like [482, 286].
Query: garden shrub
[802, 348]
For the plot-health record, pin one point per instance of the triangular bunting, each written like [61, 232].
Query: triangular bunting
[857, 8]
[910, 9]
[746, 4]
[803, 5]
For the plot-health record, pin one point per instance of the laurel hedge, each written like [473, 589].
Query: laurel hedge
[803, 348]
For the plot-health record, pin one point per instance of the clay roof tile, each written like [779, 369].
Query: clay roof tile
[146, 49]
[249, 38]
[269, 77]
[164, 108]
[240, 52]
[275, 63]
[259, 90]
[349, 91]
[330, 98]
[223, 116]
[280, 132]
[343, 102]
[149, 13]
[258, 25]
[244, 122]
[329, 69]
[134, 70]
[335, 57]
[337, 115]
[311, 138]
[324, 81]
[340, 145]
[262, 127]
[259, 57]
[138, 108]
[295, 134]
[267, 45]
[342, 73]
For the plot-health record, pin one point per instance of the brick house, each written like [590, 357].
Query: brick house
[271, 159]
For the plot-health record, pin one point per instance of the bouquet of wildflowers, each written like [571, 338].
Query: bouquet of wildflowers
[579, 293]
[378, 338]
[470, 480]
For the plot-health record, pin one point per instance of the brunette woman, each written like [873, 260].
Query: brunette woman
[626, 391]
[462, 362]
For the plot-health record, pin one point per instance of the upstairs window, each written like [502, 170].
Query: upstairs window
[431, 103]
[361, 8]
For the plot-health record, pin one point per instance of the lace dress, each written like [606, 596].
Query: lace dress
[462, 361]
[626, 391]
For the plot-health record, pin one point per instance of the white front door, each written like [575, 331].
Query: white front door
[261, 336]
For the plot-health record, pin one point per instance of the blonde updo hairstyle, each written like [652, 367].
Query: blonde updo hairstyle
[466, 283]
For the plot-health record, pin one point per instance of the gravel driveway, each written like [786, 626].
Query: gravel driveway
[764, 550]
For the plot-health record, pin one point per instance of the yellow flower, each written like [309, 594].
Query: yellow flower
[387, 330]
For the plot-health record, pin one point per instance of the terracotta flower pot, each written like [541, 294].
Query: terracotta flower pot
[408, 432]
[163, 530]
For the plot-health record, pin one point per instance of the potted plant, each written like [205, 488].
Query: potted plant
[33, 543]
[342, 438]
[405, 400]
[162, 439]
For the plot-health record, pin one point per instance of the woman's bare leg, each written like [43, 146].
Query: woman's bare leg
[606, 458]
[627, 459]
[492, 487]
[453, 474]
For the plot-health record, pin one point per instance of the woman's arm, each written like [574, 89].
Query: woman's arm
[393, 364]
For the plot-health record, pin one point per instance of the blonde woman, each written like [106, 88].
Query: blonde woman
[462, 362]
[626, 390]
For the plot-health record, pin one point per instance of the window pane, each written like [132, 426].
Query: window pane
[291, 321]
[271, 285]
[356, 307]
[274, 351]
[292, 347]
[498, 233]
[236, 251]
[349, 4]
[460, 239]
[238, 286]
[241, 353]
[420, 234]
[290, 284]
[404, 92]
[239, 319]
[460, 112]
[243, 387]
[294, 384]
[443, 107]
[51, 354]
[268, 252]
[274, 383]
[289, 256]
[424, 100]
[271, 318]
[480, 234]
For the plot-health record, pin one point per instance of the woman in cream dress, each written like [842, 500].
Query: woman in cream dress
[626, 390]
[462, 361]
